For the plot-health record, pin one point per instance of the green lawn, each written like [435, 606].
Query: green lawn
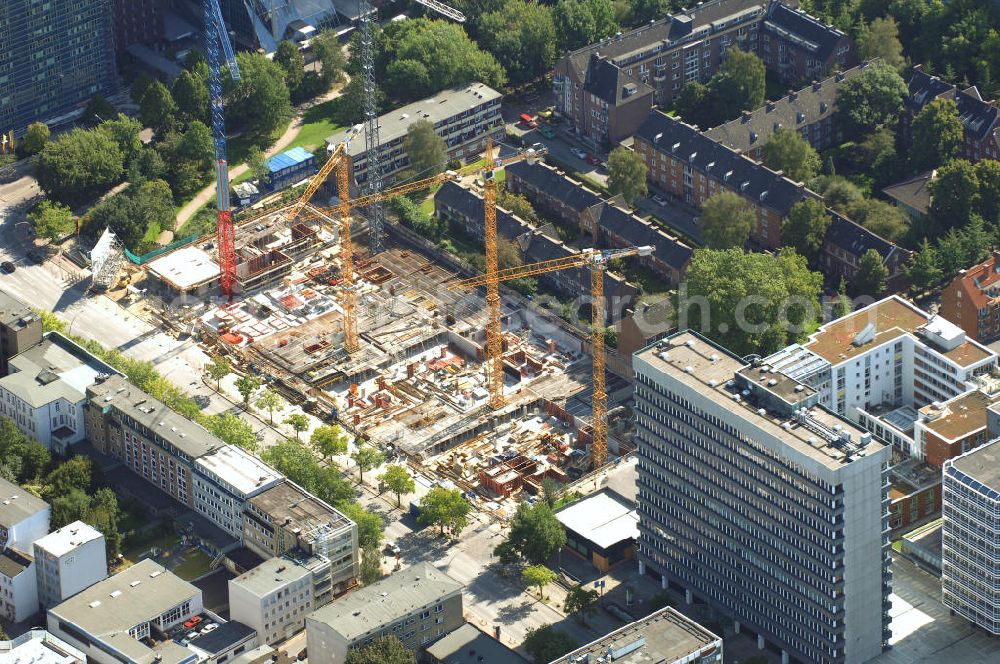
[136, 546]
[319, 122]
[152, 232]
[195, 563]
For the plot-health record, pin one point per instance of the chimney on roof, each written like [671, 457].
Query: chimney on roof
[745, 116]
[839, 76]
[769, 107]
[792, 95]
[817, 86]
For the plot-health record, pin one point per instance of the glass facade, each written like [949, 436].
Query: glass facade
[54, 56]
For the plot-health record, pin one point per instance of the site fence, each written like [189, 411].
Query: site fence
[145, 258]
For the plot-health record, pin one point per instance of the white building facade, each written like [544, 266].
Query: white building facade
[881, 363]
[971, 536]
[68, 561]
[225, 480]
[274, 598]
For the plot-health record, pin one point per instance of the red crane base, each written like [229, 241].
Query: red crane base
[227, 253]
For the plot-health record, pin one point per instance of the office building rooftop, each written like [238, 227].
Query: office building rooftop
[665, 636]
[57, 368]
[62, 541]
[287, 504]
[16, 504]
[770, 400]
[240, 469]
[387, 600]
[983, 465]
[271, 575]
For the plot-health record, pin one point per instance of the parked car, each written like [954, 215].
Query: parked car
[547, 132]
[659, 200]
[36, 257]
[7, 267]
[592, 160]
[193, 622]
[209, 628]
[528, 121]
[190, 636]
[546, 113]
[578, 153]
[392, 548]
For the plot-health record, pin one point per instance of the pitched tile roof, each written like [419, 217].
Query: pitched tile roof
[981, 283]
[572, 194]
[607, 81]
[739, 172]
[809, 105]
[912, 192]
[857, 240]
[978, 117]
[457, 197]
[802, 29]
[544, 248]
[639, 233]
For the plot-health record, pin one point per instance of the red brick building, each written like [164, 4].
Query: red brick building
[137, 22]
[972, 300]
[945, 430]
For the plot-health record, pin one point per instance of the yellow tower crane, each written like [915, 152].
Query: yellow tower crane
[597, 260]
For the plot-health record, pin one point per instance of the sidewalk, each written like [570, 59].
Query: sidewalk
[204, 196]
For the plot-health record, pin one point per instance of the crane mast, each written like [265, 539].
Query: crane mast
[494, 335]
[597, 260]
[216, 37]
[373, 183]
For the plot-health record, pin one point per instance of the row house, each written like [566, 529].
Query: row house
[847, 241]
[604, 88]
[808, 111]
[979, 116]
[464, 208]
[551, 191]
[692, 168]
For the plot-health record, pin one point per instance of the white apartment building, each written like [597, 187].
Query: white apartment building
[971, 536]
[39, 647]
[45, 391]
[275, 597]
[878, 365]
[225, 480]
[112, 621]
[68, 561]
[24, 518]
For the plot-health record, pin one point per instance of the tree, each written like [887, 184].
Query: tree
[954, 195]
[535, 535]
[69, 507]
[787, 151]
[329, 52]
[218, 369]
[408, 79]
[299, 423]
[367, 457]
[692, 102]
[369, 525]
[443, 48]
[805, 227]
[246, 385]
[35, 138]
[295, 462]
[190, 93]
[74, 473]
[880, 39]
[289, 58]
[626, 174]
[427, 151]
[539, 576]
[383, 650]
[51, 220]
[446, 508]
[371, 565]
[582, 22]
[197, 146]
[839, 193]
[988, 201]
[522, 37]
[870, 279]
[233, 430]
[580, 601]
[270, 400]
[546, 644]
[843, 305]
[157, 108]
[125, 132]
[328, 440]
[870, 100]
[883, 219]
[937, 135]
[749, 302]
[156, 201]
[98, 110]
[739, 83]
[923, 269]
[725, 221]
[399, 481]
[78, 166]
[264, 103]
[147, 165]
[551, 491]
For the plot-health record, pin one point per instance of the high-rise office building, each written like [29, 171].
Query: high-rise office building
[971, 536]
[54, 56]
[762, 503]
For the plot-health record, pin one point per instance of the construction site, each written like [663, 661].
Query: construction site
[364, 323]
